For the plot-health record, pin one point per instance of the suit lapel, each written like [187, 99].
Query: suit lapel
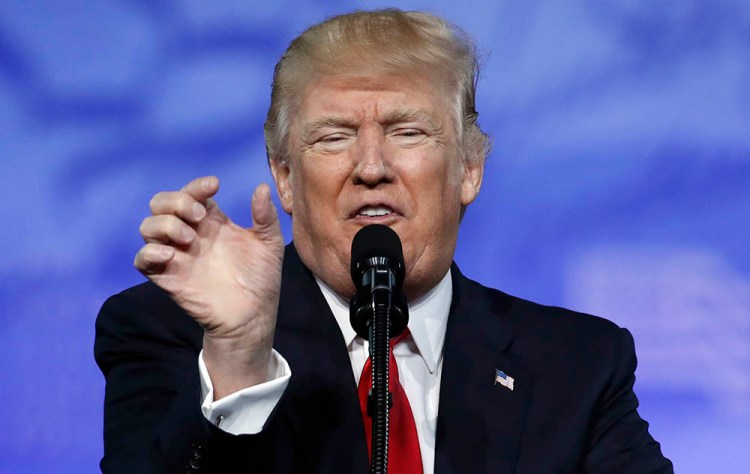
[323, 406]
[480, 423]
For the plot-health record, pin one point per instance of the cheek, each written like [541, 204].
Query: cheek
[436, 194]
[305, 180]
[316, 188]
[441, 184]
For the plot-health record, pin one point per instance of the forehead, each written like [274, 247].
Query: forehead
[374, 96]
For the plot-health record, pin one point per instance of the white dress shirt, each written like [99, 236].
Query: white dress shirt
[419, 358]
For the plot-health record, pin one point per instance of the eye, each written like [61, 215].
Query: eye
[333, 142]
[408, 136]
[332, 138]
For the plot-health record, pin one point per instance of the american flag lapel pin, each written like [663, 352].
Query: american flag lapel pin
[504, 379]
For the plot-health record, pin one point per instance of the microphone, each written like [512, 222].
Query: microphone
[377, 313]
[377, 269]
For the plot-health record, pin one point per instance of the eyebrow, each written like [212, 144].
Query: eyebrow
[395, 116]
[332, 122]
[409, 115]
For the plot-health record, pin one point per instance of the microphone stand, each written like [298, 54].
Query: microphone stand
[380, 399]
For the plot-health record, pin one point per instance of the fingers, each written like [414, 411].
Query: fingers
[178, 203]
[202, 188]
[153, 257]
[265, 219]
[166, 229]
[174, 214]
[189, 203]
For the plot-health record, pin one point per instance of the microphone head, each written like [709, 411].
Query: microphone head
[377, 247]
[377, 244]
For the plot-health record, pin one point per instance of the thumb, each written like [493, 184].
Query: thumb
[265, 219]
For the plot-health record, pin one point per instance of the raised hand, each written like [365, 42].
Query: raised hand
[226, 277]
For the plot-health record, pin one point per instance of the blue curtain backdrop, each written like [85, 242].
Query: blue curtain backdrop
[619, 185]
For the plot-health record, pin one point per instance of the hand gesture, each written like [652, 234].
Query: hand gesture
[226, 277]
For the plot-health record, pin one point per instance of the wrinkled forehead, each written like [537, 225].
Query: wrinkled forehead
[381, 94]
[409, 85]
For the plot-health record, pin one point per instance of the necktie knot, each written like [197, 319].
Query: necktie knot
[399, 338]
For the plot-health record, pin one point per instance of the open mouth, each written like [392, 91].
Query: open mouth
[375, 211]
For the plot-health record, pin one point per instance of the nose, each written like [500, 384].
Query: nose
[371, 161]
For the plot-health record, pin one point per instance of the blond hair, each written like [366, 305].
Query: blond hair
[379, 41]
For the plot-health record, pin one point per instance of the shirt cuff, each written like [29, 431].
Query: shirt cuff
[247, 410]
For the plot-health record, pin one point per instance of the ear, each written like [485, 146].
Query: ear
[472, 179]
[282, 175]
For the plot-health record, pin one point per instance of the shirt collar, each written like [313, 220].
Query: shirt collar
[428, 318]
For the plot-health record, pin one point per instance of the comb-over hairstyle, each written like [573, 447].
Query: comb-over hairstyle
[379, 42]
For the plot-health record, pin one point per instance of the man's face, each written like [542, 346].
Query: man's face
[375, 150]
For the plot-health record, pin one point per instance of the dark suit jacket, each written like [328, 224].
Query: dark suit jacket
[572, 408]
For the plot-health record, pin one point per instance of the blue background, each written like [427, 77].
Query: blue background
[619, 185]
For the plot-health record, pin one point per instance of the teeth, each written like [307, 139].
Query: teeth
[374, 211]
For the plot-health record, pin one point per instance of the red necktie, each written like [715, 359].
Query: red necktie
[403, 445]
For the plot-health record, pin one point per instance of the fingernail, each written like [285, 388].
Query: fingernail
[206, 184]
[188, 234]
[198, 211]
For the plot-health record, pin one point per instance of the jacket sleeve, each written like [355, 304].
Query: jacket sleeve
[147, 348]
[619, 441]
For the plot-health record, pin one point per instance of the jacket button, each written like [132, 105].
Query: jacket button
[194, 463]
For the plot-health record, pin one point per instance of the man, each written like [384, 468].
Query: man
[238, 355]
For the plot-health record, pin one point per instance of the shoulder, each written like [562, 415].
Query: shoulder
[527, 315]
[540, 331]
[142, 317]
[143, 297]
